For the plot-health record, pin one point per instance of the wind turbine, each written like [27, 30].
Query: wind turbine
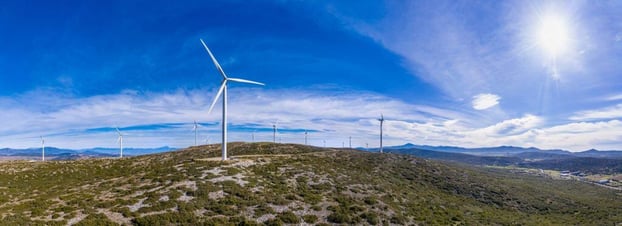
[381, 119]
[350, 142]
[195, 127]
[42, 149]
[306, 137]
[324, 143]
[274, 130]
[120, 140]
[223, 91]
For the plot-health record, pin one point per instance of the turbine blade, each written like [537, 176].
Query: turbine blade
[214, 60]
[245, 81]
[119, 132]
[222, 87]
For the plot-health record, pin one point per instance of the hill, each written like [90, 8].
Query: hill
[290, 184]
[537, 160]
[460, 157]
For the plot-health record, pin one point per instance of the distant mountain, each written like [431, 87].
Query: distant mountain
[66, 154]
[505, 151]
[554, 160]
[599, 154]
[130, 151]
[584, 164]
[459, 157]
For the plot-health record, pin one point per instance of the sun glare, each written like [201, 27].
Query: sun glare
[553, 35]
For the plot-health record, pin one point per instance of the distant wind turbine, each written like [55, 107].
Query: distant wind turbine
[120, 140]
[42, 149]
[253, 136]
[324, 143]
[274, 130]
[350, 142]
[306, 137]
[195, 128]
[381, 119]
[223, 91]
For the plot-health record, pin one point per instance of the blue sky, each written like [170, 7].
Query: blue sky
[463, 73]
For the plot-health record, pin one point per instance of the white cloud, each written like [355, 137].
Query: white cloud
[610, 112]
[330, 115]
[484, 101]
[614, 97]
[334, 114]
[579, 136]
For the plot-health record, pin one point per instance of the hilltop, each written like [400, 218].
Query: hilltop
[290, 184]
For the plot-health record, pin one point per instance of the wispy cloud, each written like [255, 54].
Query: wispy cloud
[159, 119]
[149, 116]
[484, 101]
[610, 112]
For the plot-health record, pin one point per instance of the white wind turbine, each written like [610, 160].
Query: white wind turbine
[120, 140]
[223, 91]
[195, 128]
[42, 149]
[274, 131]
[350, 142]
[306, 137]
[381, 119]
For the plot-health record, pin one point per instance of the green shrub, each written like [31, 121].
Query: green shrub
[371, 217]
[97, 219]
[273, 222]
[288, 217]
[310, 218]
[338, 217]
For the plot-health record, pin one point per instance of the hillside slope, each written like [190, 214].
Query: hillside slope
[291, 184]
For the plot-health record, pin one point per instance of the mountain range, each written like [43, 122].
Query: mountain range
[65, 154]
[505, 151]
[591, 161]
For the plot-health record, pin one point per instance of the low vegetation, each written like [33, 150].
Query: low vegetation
[277, 184]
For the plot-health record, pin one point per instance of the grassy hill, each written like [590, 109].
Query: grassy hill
[290, 184]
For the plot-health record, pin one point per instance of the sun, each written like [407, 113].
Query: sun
[553, 35]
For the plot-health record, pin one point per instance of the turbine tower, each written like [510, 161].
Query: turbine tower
[120, 140]
[381, 119]
[42, 149]
[195, 127]
[223, 91]
[274, 131]
[306, 137]
[350, 142]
